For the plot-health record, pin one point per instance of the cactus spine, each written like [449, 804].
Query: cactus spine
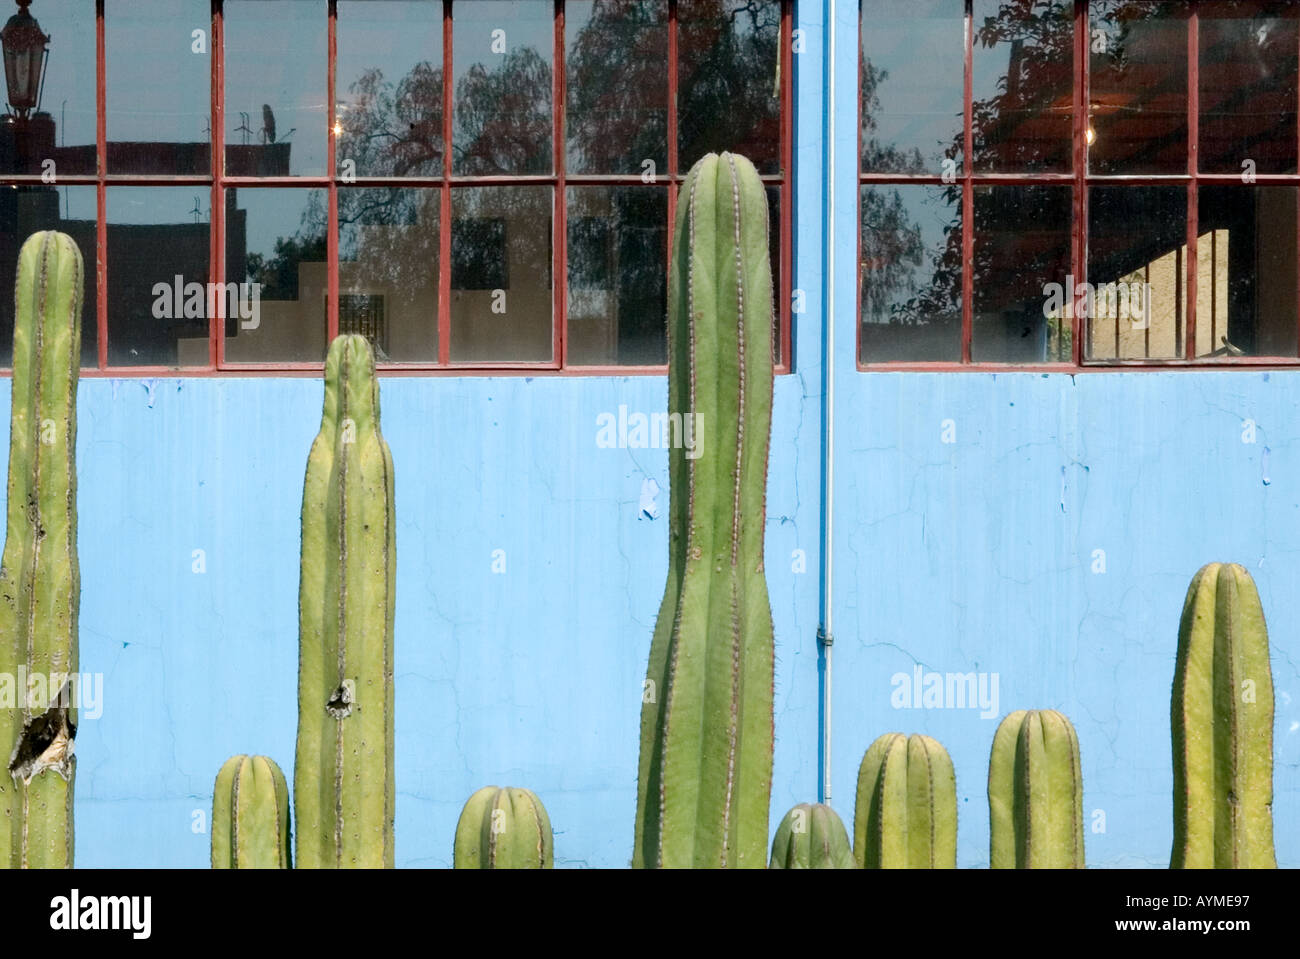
[1222, 715]
[811, 836]
[705, 773]
[1035, 793]
[250, 815]
[343, 769]
[906, 812]
[504, 828]
[39, 577]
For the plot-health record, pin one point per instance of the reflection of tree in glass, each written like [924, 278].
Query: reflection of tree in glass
[394, 132]
[618, 88]
[728, 91]
[503, 117]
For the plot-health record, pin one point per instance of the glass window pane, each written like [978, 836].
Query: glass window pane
[1248, 86]
[616, 69]
[158, 258]
[275, 239]
[910, 274]
[27, 210]
[1023, 86]
[1022, 246]
[1138, 87]
[729, 93]
[780, 301]
[911, 85]
[61, 127]
[388, 271]
[389, 87]
[1246, 271]
[501, 303]
[1137, 272]
[617, 295]
[277, 63]
[502, 99]
[159, 112]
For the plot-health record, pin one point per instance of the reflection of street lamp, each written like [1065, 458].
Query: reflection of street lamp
[25, 52]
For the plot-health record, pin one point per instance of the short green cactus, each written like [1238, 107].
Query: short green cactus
[40, 584]
[1035, 793]
[343, 769]
[250, 815]
[811, 836]
[504, 828]
[705, 775]
[906, 813]
[1222, 715]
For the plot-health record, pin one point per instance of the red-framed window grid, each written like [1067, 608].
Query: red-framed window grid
[1081, 180]
[558, 179]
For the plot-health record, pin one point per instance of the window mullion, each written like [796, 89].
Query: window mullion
[967, 191]
[559, 201]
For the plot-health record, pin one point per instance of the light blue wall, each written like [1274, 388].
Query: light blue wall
[974, 555]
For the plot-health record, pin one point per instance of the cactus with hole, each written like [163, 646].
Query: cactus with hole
[906, 812]
[343, 768]
[704, 779]
[504, 828]
[250, 815]
[39, 578]
[811, 836]
[1222, 716]
[1035, 793]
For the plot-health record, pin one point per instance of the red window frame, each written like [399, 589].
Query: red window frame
[558, 180]
[1080, 179]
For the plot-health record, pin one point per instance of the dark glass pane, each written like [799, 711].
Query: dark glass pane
[28, 210]
[617, 296]
[616, 69]
[729, 81]
[1246, 271]
[910, 274]
[502, 100]
[159, 79]
[275, 238]
[1137, 272]
[389, 88]
[158, 252]
[388, 271]
[1138, 87]
[1248, 86]
[911, 85]
[1022, 246]
[1023, 86]
[277, 60]
[501, 303]
[780, 301]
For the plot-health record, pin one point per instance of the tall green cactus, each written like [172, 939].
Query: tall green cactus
[811, 836]
[705, 771]
[250, 815]
[1222, 715]
[39, 579]
[504, 828]
[906, 813]
[343, 768]
[1035, 793]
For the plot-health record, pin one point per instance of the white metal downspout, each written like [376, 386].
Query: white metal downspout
[825, 636]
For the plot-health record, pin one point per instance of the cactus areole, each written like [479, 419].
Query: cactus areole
[704, 780]
[1222, 714]
[40, 584]
[343, 770]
